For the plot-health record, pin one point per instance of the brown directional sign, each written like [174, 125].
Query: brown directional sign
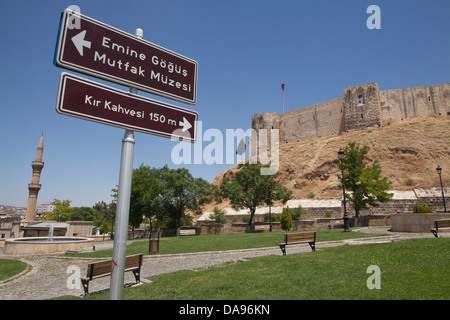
[94, 48]
[81, 98]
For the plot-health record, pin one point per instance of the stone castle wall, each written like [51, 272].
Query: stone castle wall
[361, 107]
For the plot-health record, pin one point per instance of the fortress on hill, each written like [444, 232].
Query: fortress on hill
[361, 107]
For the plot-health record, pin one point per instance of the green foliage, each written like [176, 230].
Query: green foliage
[298, 213]
[329, 214]
[274, 216]
[61, 213]
[248, 188]
[166, 195]
[286, 219]
[104, 216]
[219, 216]
[365, 181]
[82, 214]
[421, 208]
[311, 195]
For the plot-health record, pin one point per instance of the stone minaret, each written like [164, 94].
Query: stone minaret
[34, 186]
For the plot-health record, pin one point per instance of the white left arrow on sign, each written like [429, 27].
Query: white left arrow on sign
[79, 42]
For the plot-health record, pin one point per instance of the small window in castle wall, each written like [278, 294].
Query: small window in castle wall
[362, 116]
[361, 99]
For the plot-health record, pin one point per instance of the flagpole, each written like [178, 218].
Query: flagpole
[282, 88]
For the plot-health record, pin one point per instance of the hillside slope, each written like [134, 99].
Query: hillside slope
[409, 152]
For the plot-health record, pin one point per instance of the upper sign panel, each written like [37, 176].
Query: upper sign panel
[94, 48]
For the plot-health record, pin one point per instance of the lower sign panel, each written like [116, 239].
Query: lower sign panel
[81, 98]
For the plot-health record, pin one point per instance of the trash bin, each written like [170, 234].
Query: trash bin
[154, 245]
[154, 241]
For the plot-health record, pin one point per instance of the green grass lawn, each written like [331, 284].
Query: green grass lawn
[222, 242]
[410, 269]
[9, 268]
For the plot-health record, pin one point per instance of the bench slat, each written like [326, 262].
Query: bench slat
[296, 237]
[188, 232]
[442, 223]
[439, 225]
[98, 268]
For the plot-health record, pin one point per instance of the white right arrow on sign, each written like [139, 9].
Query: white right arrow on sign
[79, 42]
[186, 125]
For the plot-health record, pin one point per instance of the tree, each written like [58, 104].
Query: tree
[181, 192]
[286, 219]
[61, 213]
[82, 214]
[249, 189]
[218, 216]
[166, 194]
[104, 216]
[368, 187]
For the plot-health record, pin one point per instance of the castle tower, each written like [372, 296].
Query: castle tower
[362, 107]
[34, 186]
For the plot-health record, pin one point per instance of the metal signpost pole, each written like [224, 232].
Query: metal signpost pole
[123, 210]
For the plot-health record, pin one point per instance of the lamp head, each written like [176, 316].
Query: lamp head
[341, 154]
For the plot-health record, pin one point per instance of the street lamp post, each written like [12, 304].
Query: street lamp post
[341, 157]
[270, 208]
[439, 170]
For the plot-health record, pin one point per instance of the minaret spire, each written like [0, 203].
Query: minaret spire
[34, 186]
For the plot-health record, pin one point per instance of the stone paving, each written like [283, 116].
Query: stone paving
[49, 275]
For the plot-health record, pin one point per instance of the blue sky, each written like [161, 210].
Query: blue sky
[245, 50]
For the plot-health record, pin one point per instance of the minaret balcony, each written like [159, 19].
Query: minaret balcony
[34, 186]
[37, 164]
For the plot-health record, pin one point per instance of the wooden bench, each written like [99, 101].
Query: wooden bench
[262, 227]
[440, 225]
[188, 232]
[104, 268]
[297, 238]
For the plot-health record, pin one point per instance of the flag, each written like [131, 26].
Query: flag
[241, 148]
[282, 87]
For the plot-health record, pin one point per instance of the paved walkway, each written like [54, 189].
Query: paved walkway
[48, 277]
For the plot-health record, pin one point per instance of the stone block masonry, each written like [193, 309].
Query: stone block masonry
[361, 107]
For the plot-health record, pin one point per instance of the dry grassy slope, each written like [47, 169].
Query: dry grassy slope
[408, 149]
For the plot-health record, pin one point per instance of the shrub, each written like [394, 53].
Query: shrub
[311, 195]
[329, 214]
[298, 213]
[275, 217]
[286, 219]
[219, 216]
[421, 208]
